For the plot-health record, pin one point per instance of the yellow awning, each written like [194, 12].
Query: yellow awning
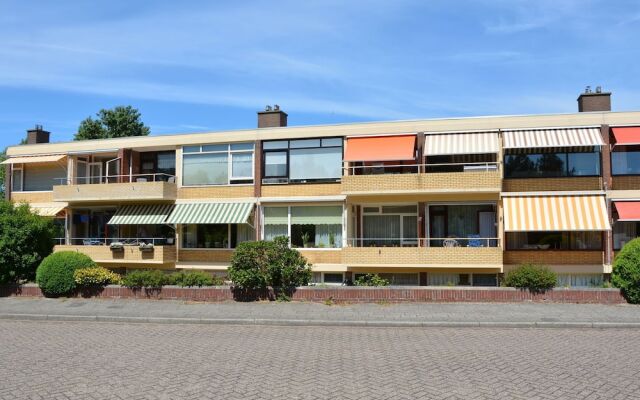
[555, 213]
[34, 159]
[47, 209]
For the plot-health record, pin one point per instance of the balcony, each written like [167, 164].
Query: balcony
[151, 187]
[555, 257]
[423, 178]
[461, 253]
[123, 252]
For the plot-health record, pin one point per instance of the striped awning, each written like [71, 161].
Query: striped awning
[555, 213]
[141, 214]
[211, 213]
[47, 209]
[461, 143]
[543, 138]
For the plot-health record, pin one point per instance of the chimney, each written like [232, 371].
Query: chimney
[37, 135]
[594, 101]
[272, 117]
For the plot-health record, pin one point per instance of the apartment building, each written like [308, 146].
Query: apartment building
[455, 201]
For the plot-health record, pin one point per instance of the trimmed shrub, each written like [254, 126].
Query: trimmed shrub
[55, 275]
[263, 264]
[145, 278]
[96, 276]
[536, 278]
[193, 278]
[25, 240]
[371, 280]
[626, 271]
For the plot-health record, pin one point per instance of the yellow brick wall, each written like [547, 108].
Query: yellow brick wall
[130, 254]
[456, 256]
[308, 189]
[32, 197]
[214, 192]
[116, 191]
[552, 184]
[214, 256]
[415, 182]
[322, 256]
[553, 257]
[626, 183]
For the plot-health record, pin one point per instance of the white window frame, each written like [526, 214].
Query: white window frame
[332, 283]
[229, 152]
[17, 167]
[400, 215]
[460, 203]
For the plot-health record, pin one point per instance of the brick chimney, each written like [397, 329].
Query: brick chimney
[272, 117]
[37, 135]
[594, 101]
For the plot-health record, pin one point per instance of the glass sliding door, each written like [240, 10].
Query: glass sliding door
[390, 225]
[462, 225]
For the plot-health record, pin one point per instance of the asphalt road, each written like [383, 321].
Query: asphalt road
[90, 360]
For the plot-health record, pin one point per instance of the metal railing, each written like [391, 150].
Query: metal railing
[383, 169]
[89, 241]
[424, 242]
[103, 179]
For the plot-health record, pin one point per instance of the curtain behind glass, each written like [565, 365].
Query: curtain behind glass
[205, 169]
[579, 280]
[241, 165]
[324, 234]
[623, 232]
[381, 229]
[443, 279]
[315, 163]
[463, 220]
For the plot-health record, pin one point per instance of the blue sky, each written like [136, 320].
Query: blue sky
[194, 66]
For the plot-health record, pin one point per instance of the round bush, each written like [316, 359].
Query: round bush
[55, 273]
[536, 278]
[626, 271]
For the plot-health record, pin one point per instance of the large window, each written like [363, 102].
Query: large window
[307, 226]
[549, 165]
[305, 160]
[589, 240]
[37, 177]
[390, 225]
[462, 225]
[220, 164]
[625, 160]
[624, 232]
[162, 163]
[215, 236]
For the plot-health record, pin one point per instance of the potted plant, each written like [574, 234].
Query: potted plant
[305, 239]
[332, 240]
[116, 246]
[146, 246]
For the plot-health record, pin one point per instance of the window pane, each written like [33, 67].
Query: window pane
[206, 236]
[537, 240]
[332, 278]
[299, 144]
[331, 142]
[317, 163]
[16, 180]
[381, 230]
[191, 149]
[167, 163]
[410, 209]
[625, 162]
[215, 147]
[586, 240]
[410, 230]
[242, 165]
[279, 144]
[42, 177]
[205, 169]
[535, 165]
[242, 146]
[275, 163]
[623, 233]
[584, 164]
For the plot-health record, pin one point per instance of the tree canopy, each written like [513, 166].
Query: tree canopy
[118, 122]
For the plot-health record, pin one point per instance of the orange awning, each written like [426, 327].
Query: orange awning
[381, 148]
[626, 135]
[628, 210]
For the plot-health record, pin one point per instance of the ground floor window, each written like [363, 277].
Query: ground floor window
[591, 240]
[329, 278]
[624, 232]
[307, 226]
[580, 280]
[215, 236]
[396, 279]
[452, 279]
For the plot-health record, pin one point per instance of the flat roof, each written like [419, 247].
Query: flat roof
[440, 125]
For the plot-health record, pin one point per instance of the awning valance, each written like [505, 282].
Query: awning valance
[461, 143]
[141, 214]
[628, 210]
[543, 138]
[34, 159]
[211, 213]
[316, 215]
[555, 213]
[381, 148]
[47, 209]
[626, 135]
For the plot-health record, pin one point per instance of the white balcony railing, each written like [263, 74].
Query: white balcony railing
[104, 179]
[382, 169]
[424, 242]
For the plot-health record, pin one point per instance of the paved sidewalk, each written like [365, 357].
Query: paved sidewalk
[266, 313]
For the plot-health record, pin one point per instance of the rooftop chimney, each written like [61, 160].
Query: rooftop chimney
[37, 135]
[272, 117]
[594, 101]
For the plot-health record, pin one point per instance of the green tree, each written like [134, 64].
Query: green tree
[118, 122]
[25, 239]
[269, 265]
[626, 271]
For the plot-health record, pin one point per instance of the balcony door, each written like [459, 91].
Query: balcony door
[113, 170]
[95, 172]
[82, 172]
[390, 226]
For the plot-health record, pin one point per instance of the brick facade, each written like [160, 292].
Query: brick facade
[450, 181]
[128, 255]
[134, 191]
[32, 197]
[303, 189]
[216, 192]
[627, 182]
[554, 257]
[552, 184]
[423, 256]
[322, 256]
[212, 256]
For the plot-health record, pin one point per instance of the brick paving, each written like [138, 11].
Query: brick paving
[88, 360]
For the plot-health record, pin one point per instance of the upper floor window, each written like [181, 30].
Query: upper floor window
[36, 177]
[161, 164]
[552, 164]
[219, 164]
[304, 160]
[625, 160]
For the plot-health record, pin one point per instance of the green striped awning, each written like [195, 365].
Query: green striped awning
[141, 214]
[211, 213]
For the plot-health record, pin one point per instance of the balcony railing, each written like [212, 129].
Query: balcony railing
[383, 169]
[88, 241]
[424, 242]
[103, 179]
